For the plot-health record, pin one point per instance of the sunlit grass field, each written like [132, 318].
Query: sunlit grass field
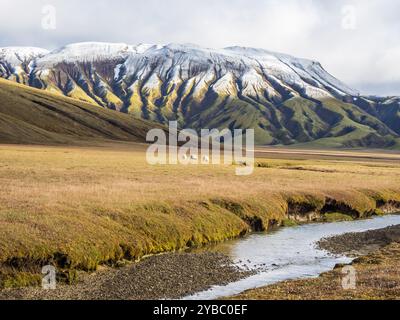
[79, 207]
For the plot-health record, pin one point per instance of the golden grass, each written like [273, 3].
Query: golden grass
[78, 207]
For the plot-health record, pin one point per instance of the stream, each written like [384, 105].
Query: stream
[288, 253]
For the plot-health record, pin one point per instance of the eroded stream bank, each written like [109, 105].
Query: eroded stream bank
[114, 237]
[228, 268]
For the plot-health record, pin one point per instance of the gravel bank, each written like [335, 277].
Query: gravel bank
[357, 244]
[168, 276]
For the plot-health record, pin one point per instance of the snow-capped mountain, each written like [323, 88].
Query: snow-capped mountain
[286, 99]
[15, 62]
[234, 70]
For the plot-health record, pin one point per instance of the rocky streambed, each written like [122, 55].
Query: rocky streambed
[167, 276]
[361, 243]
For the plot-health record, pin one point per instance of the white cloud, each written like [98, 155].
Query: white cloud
[307, 28]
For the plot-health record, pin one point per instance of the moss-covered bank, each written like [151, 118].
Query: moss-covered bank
[111, 236]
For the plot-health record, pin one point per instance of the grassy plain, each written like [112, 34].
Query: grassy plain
[79, 207]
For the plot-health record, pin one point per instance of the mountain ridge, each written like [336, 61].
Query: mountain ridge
[287, 100]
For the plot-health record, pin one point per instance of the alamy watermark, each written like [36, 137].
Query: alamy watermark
[350, 278]
[49, 18]
[49, 280]
[210, 147]
[349, 17]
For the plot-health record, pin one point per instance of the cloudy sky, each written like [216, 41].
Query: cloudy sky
[358, 41]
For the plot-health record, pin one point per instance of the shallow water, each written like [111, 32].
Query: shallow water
[289, 253]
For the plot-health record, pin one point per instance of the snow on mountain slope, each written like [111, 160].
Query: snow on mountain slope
[178, 63]
[286, 99]
[308, 70]
[15, 61]
[85, 52]
[199, 63]
[18, 55]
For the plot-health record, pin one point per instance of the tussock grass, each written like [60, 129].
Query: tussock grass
[80, 207]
